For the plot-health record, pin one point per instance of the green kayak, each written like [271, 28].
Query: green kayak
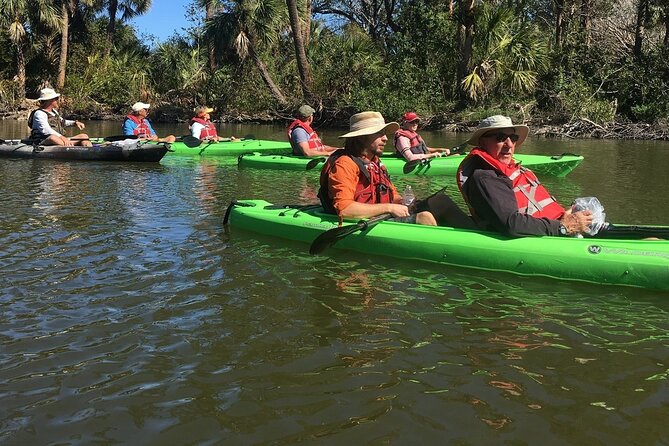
[558, 165]
[639, 263]
[231, 148]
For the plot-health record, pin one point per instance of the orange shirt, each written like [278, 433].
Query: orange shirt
[343, 180]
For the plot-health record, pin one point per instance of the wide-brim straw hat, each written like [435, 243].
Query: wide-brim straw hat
[46, 94]
[498, 122]
[369, 123]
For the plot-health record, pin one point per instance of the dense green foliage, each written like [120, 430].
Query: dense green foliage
[556, 61]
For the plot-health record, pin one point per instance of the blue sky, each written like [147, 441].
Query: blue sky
[163, 19]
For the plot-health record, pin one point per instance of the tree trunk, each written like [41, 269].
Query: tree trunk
[559, 23]
[111, 27]
[303, 67]
[467, 32]
[211, 44]
[64, 41]
[267, 78]
[586, 21]
[665, 19]
[306, 32]
[21, 69]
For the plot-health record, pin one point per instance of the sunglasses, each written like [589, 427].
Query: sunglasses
[501, 136]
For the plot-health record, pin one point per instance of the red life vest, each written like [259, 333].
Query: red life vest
[314, 141]
[416, 143]
[209, 130]
[142, 130]
[531, 196]
[373, 185]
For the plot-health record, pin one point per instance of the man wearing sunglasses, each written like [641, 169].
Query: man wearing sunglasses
[505, 197]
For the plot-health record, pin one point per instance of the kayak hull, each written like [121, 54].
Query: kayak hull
[559, 165]
[639, 263]
[130, 150]
[231, 148]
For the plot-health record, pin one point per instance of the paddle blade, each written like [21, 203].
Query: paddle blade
[249, 136]
[314, 162]
[332, 236]
[409, 166]
[191, 141]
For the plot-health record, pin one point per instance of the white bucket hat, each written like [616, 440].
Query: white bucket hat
[368, 123]
[137, 106]
[46, 94]
[498, 122]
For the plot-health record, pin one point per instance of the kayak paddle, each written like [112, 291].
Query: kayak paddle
[332, 236]
[314, 162]
[409, 166]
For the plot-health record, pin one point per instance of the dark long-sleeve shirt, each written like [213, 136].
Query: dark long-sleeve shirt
[492, 198]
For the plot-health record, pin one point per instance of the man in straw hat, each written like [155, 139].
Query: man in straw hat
[505, 197]
[136, 123]
[354, 183]
[409, 144]
[303, 139]
[44, 121]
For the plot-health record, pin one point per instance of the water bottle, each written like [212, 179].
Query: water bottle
[408, 198]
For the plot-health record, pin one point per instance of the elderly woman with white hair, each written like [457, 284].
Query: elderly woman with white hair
[43, 120]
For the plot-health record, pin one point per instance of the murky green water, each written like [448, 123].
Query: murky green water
[131, 315]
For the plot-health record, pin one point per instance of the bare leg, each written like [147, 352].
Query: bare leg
[425, 218]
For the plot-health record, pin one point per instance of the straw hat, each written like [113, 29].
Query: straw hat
[368, 123]
[46, 94]
[498, 122]
[202, 110]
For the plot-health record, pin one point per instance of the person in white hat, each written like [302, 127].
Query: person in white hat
[136, 123]
[505, 197]
[354, 183]
[303, 139]
[410, 145]
[44, 121]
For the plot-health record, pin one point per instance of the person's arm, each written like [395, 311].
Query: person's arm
[492, 198]
[342, 182]
[402, 146]
[196, 129]
[153, 135]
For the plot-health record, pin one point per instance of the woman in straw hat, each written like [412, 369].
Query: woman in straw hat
[354, 182]
[201, 126]
[44, 121]
[505, 197]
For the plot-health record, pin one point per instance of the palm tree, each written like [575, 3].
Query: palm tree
[128, 9]
[67, 10]
[507, 54]
[210, 7]
[303, 66]
[15, 17]
[248, 27]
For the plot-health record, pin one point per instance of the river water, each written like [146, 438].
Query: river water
[130, 315]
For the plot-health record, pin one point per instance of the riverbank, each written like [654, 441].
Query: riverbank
[578, 128]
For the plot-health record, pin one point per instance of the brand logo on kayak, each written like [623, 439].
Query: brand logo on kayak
[594, 249]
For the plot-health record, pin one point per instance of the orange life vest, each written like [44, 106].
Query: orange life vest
[416, 143]
[531, 196]
[209, 130]
[142, 130]
[314, 140]
[373, 185]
